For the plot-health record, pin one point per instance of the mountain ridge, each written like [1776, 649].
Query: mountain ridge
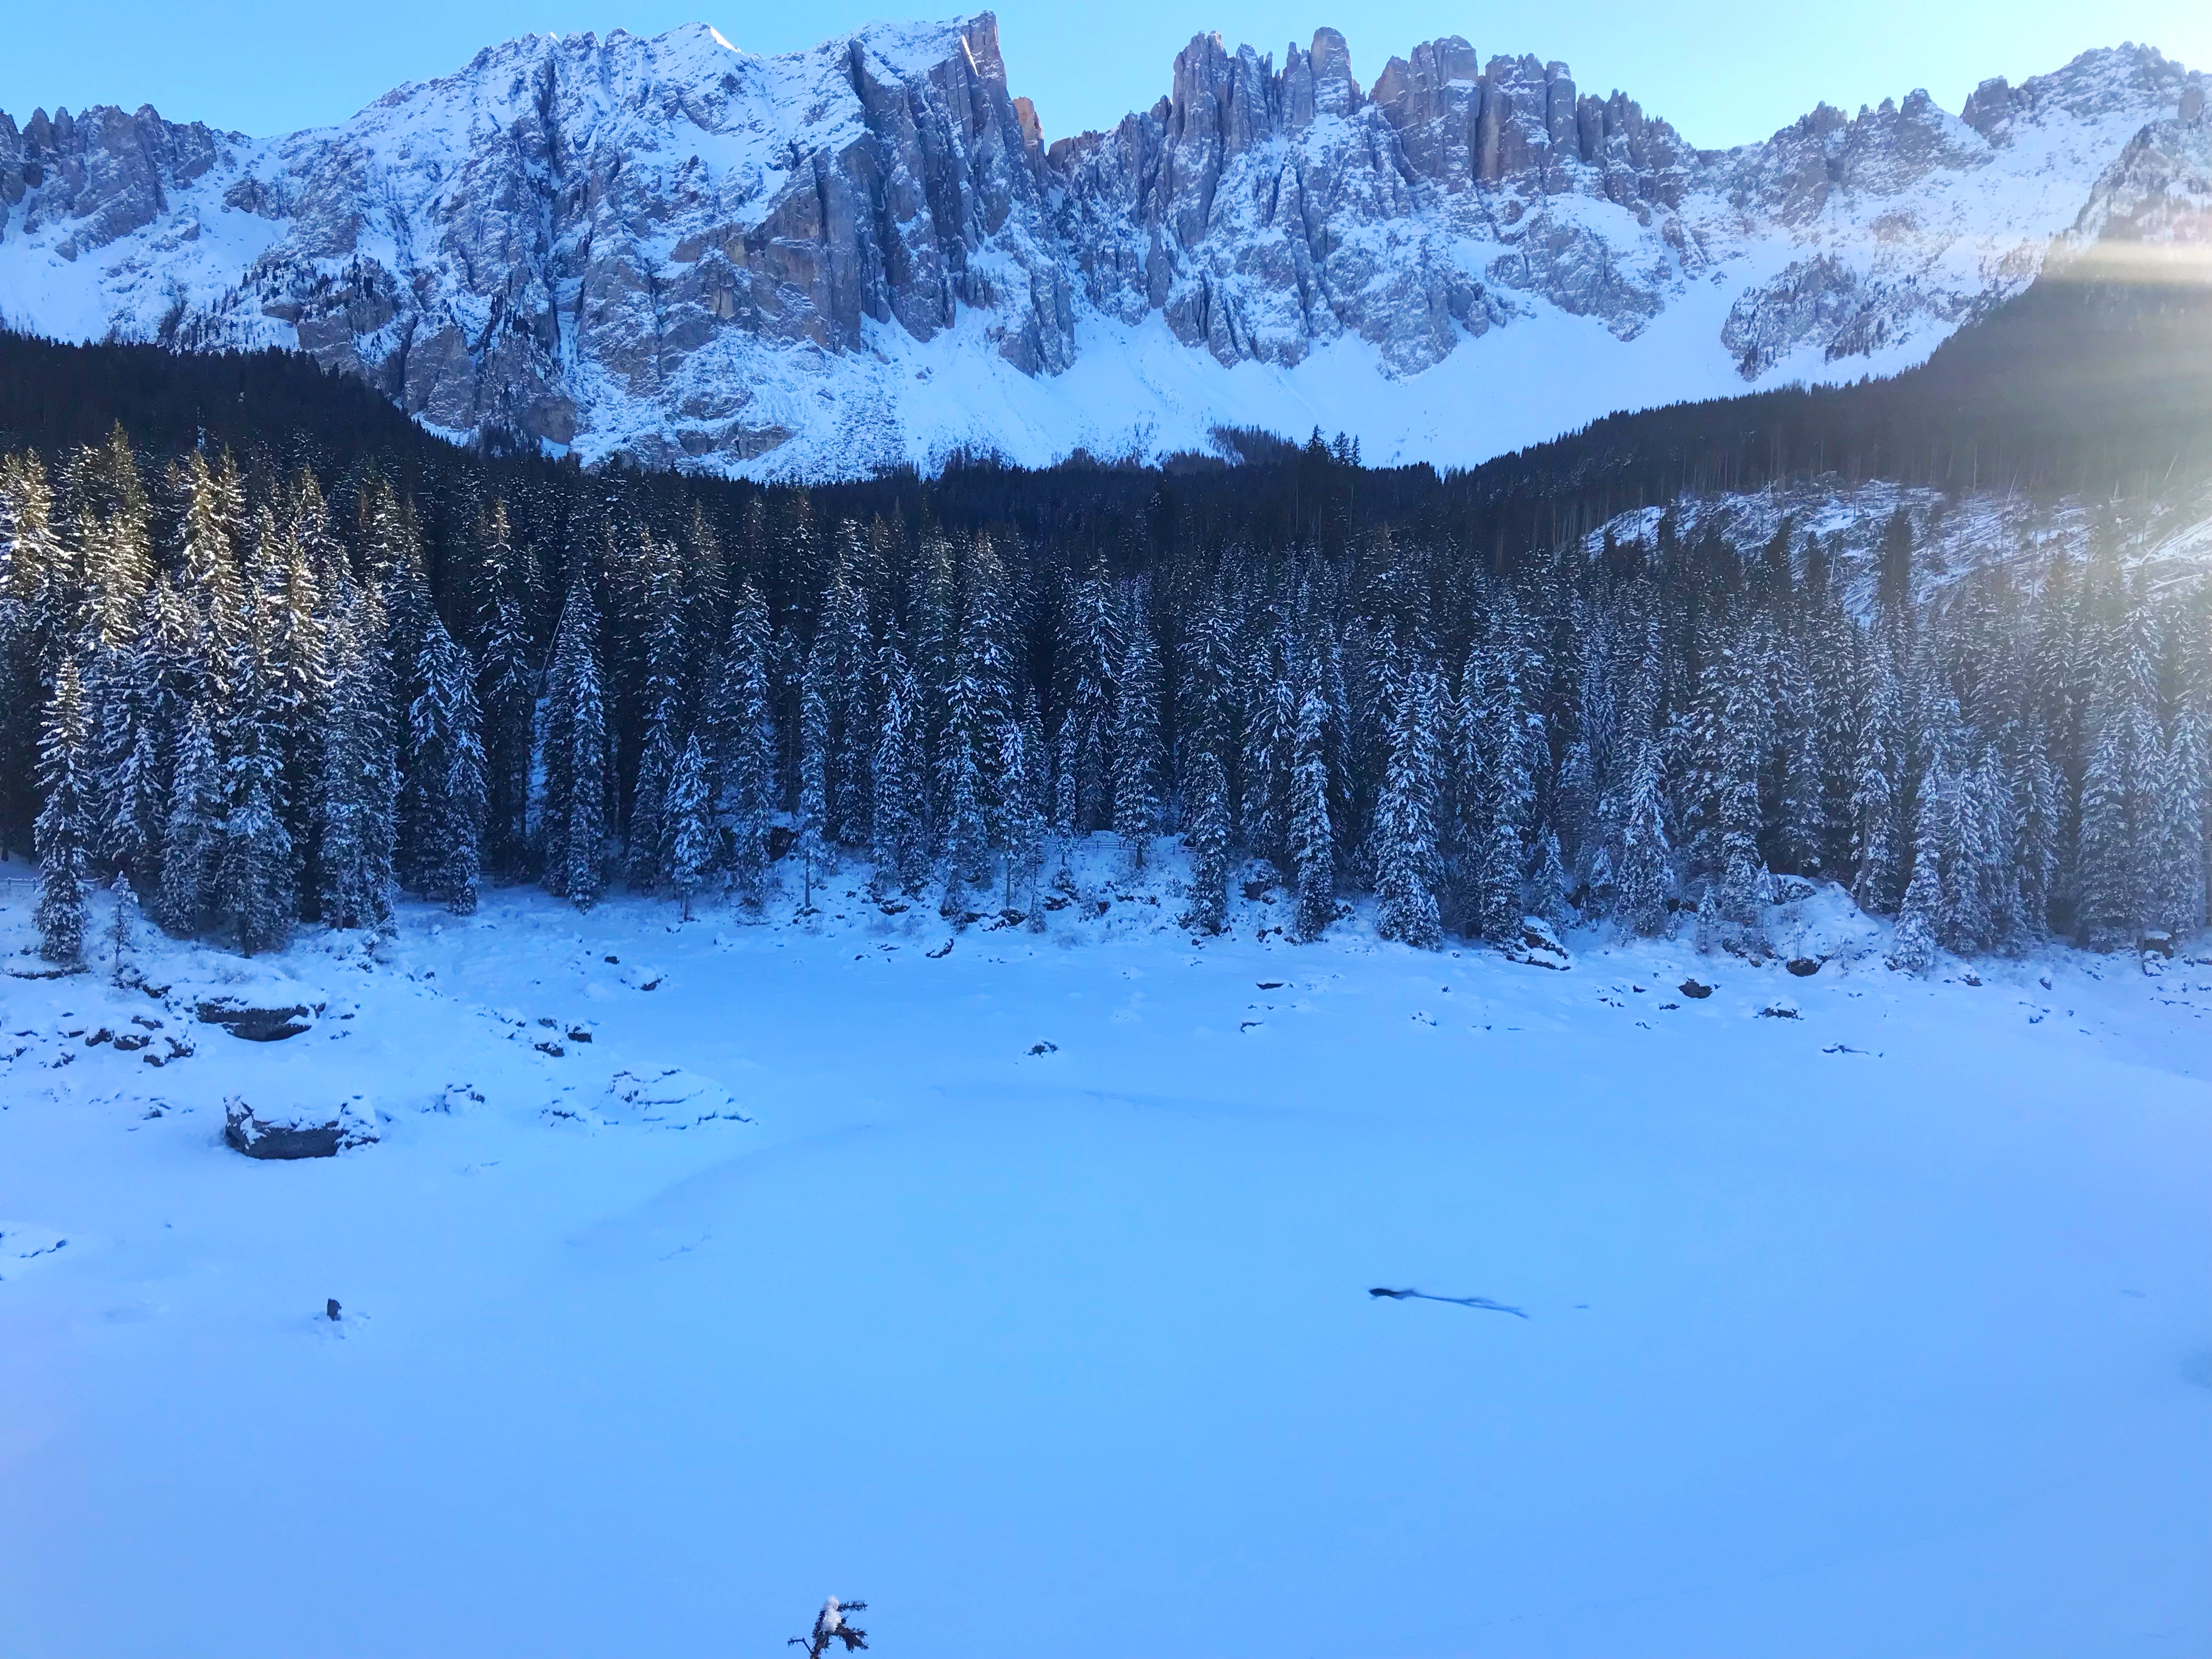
[673, 252]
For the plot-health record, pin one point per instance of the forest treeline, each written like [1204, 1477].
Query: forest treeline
[272, 653]
[245, 692]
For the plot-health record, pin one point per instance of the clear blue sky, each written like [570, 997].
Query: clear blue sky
[1723, 70]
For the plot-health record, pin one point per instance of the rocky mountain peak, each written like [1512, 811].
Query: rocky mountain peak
[668, 248]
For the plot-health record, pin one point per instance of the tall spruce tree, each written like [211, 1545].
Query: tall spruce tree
[810, 843]
[690, 825]
[1313, 840]
[1021, 817]
[575, 761]
[899, 852]
[448, 782]
[662, 700]
[507, 692]
[66, 826]
[260, 876]
[741, 758]
[357, 795]
[1405, 858]
[1912, 946]
[1642, 871]
[1136, 734]
[1206, 829]
[192, 837]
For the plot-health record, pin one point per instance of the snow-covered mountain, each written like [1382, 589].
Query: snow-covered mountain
[866, 254]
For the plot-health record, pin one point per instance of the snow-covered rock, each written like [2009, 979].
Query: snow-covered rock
[1538, 945]
[866, 254]
[670, 1097]
[297, 1130]
[247, 1018]
[25, 1245]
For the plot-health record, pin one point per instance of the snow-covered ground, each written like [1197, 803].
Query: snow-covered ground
[1031, 1307]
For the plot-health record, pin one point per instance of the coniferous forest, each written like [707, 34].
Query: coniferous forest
[273, 656]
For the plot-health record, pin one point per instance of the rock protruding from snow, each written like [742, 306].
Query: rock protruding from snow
[457, 1097]
[297, 1132]
[1537, 946]
[255, 1023]
[671, 1097]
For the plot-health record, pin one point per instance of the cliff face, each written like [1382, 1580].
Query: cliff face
[863, 254]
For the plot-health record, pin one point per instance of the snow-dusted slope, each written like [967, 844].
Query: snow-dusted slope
[864, 254]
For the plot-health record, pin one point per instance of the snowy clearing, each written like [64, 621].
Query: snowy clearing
[1034, 1275]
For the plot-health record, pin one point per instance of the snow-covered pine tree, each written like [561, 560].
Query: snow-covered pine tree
[507, 692]
[1206, 829]
[811, 845]
[1912, 946]
[1877, 852]
[129, 744]
[1496, 780]
[2113, 878]
[2035, 836]
[1313, 841]
[1710, 929]
[662, 699]
[1641, 868]
[1136, 732]
[1064, 796]
[1728, 735]
[690, 825]
[48, 576]
[575, 764]
[259, 883]
[2176, 834]
[978, 705]
[1405, 857]
[192, 836]
[356, 800]
[966, 834]
[113, 525]
[215, 521]
[1089, 651]
[1038, 753]
[392, 563]
[1961, 921]
[741, 758]
[1205, 693]
[1270, 748]
[1547, 880]
[448, 781]
[1997, 836]
[706, 566]
[293, 622]
[320, 544]
[65, 826]
[1837, 665]
[847, 631]
[1894, 570]
[1020, 816]
[122, 930]
[898, 846]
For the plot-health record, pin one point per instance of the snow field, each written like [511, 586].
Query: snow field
[1902, 1347]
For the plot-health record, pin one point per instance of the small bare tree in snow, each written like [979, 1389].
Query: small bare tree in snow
[830, 1626]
